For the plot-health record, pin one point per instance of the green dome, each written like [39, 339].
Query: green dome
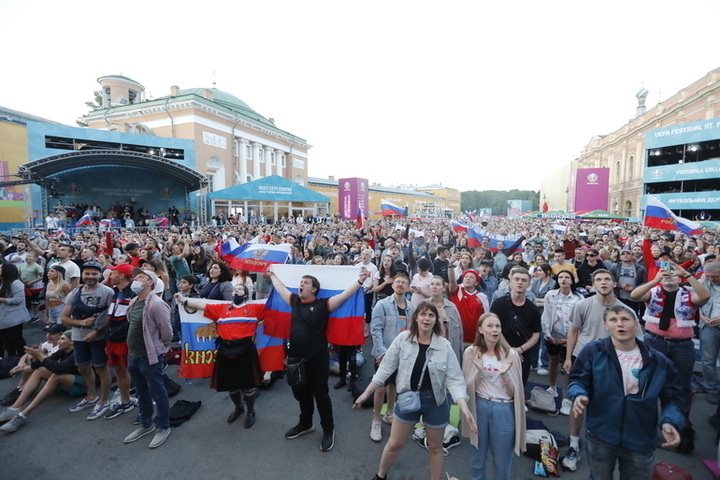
[223, 98]
[643, 93]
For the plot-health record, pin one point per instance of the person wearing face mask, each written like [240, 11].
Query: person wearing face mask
[237, 367]
[148, 339]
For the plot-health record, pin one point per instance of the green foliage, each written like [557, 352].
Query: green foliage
[496, 199]
[94, 106]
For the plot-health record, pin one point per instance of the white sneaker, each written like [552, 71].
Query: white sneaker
[376, 431]
[542, 371]
[553, 389]
[387, 418]
[566, 407]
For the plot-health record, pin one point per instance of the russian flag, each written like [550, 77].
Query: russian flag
[230, 249]
[346, 324]
[106, 223]
[559, 229]
[657, 215]
[459, 226]
[474, 238]
[256, 257]
[84, 220]
[360, 222]
[389, 208]
[271, 350]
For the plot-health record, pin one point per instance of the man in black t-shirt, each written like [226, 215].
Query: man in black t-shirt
[308, 340]
[519, 317]
[440, 265]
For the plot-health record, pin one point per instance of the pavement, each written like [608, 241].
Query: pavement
[56, 444]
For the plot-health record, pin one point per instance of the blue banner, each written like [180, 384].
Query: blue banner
[683, 171]
[701, 131]
[689, 201]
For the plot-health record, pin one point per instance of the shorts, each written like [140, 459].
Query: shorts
[87, 352]
[117, 353]
[54, 314]
[391, 379]
[433, 415]
[78, 388]
[554, 350]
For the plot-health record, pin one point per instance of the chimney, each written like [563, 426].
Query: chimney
[208, 94]
[174, 91]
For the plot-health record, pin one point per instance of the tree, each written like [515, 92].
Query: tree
[496, 199]
[94, 106]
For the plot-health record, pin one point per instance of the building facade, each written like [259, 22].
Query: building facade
[624, 150]
[234, 143]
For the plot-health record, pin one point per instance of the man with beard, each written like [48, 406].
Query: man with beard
[86, 310]
[587, 326]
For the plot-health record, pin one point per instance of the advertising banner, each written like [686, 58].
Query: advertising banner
[683, 171]
[352, 197]
[590, 189]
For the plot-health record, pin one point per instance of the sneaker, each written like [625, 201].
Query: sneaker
[572, 457]
[138, 433]
[33, 320]
[98, 411]
[328, 441]
[340, 383]
[84, 403]
[419, 434]
[453, 442]
[298, 430]
[160, 436]
[566, 407]
[376, 431]
[712, 398]
[9, 413]
[119, 408]
[552, 389]
[387, 418]
[542, 371]
[11, 397]
[14, 424]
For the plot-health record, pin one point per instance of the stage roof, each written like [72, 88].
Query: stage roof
[272, 189]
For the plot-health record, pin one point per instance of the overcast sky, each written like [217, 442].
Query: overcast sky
[475, 95]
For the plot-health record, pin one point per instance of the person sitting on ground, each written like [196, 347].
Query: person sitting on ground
[57, 370]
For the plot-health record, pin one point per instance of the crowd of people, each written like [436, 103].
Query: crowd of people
[613, 307]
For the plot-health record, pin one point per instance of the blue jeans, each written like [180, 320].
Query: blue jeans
[682, 355]
[603, 457]
[148, 381]
[496, 432]
[709, 347]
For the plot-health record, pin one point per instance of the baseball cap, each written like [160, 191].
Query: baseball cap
[124, 268]
[150, 274]
[57, 328]
[91, 265]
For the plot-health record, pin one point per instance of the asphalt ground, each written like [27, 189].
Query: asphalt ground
[57, 444]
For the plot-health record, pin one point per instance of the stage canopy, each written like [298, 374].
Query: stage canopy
[269, 189]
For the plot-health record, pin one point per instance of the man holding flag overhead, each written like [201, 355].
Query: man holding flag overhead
[308, 341]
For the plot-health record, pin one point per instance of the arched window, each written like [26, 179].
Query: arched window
[616, 208]
[631, 167]
[628, 208]
[618, 172]
[216, 173]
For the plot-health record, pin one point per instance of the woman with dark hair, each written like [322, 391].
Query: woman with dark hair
[496, 398]
[220, 285]
[420, 285]
[382, 283]
[542, 283]
[556, 321]
[339, 259]
[414, 354]
[13, 313]
[199, 264]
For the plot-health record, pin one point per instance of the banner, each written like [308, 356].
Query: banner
[257, 256]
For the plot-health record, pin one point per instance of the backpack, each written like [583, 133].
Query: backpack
[542, 400]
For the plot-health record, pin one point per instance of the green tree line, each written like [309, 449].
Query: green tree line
[496, 199]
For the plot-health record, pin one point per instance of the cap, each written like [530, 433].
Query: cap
[59, 268]
[57, 328]
[91, 265]
[124, 268]
[627, 249]
[153, 277]
[473, 273]
[486, 261]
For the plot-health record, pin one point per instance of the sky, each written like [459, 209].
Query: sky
[475, 95]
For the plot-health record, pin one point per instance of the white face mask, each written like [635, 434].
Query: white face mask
[137, 287]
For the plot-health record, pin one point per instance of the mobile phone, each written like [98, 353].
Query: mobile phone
[667, 266]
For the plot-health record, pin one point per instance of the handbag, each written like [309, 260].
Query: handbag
[409, 402]
[542, 400]
[296, 374]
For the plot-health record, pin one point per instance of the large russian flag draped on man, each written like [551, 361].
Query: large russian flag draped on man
[389, 208]
[256, 257]
[657, 215]
[199, 349]
[346, 324]
[475, 236]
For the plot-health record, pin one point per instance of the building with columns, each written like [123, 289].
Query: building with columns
[233, 143]
[624, 150]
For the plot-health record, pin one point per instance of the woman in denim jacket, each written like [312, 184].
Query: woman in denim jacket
[421, 347]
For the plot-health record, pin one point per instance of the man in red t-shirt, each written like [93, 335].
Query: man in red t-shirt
[470, 302]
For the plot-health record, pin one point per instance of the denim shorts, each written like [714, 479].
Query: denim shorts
[87, 352]
[433, 416]
[54, 314]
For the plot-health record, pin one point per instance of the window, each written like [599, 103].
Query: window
[272, 158]
[261, 155]
[631, 167]
[283, 161]
[618, 172]
[628, 208]
[248, 151]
